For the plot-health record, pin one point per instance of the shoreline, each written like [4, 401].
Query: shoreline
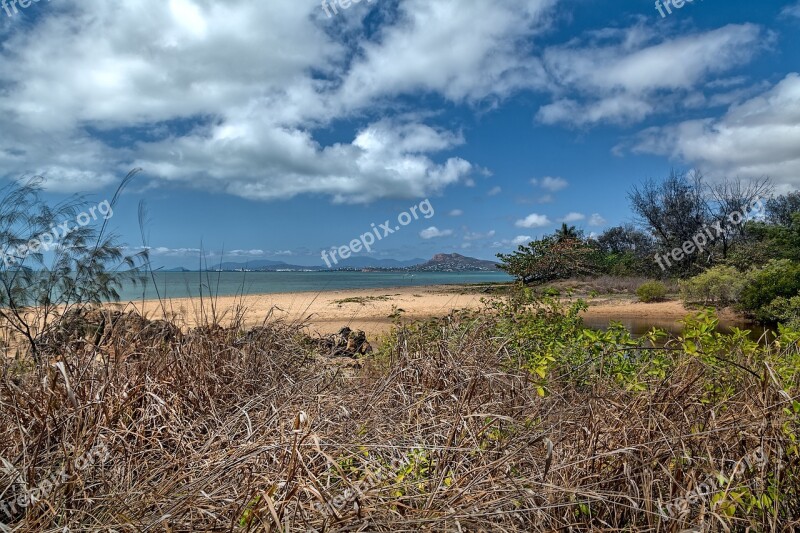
[375, 310]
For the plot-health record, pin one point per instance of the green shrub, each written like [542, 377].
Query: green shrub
[785, 311]
[651, 291]
[719, 286]
[778, 278]
[552, 292]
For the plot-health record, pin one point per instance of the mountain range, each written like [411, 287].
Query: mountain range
[439, 263]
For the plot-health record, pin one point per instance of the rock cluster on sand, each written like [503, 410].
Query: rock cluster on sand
[346, 343]
[101, 327]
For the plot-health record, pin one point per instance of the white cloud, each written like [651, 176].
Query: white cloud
[433, 232]
[533, 221]
[551, 184]
[456, 213]
[494, 191]
[573, 217]
[476, 236]
[545, 199]
[759, 137]
[245, 253]
[462, 49]
[597, 221]
[626, 75]
[519, 240]
[386, 159]
[228, 96]
[791, 10]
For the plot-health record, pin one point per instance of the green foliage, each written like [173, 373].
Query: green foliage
[552, 258]
[86, 265]
[626, 251]
[537, 329]
[785, 310]
[718, 286]
[651, 291]
[778, 278]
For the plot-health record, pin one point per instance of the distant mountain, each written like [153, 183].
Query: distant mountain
[260, 265]
[178, 269]
[439, 263]
[368, 262]
[455, 263]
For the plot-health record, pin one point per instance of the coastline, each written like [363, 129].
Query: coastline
[375, 310]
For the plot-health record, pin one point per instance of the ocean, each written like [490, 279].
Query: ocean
[192, 284]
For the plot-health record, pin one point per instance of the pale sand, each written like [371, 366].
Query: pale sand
[323, 312]
[326, 313]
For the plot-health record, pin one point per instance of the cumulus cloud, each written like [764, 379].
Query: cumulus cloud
[533, 221]
[465, 50]
[792, 10]
[228, 96]
[596, 220]
[494, 191]
[573, 217]
[626, 75]
[386, 159]
[519, 240]
[433, 232]
[476, 236]
[245, 253]
[759, 137]
[456, 213]
[551, 184]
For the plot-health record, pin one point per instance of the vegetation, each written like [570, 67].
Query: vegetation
[517, 419]
[363, 300]
[42, 281]
[719, 286]
[743, 242]
[561, 256]
[651, 291]
[777, 279]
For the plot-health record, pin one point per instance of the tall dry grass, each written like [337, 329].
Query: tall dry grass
[222, 429]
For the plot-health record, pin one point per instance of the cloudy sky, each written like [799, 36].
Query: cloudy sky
[276, 128]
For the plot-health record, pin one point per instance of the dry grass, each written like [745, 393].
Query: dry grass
[221, 429]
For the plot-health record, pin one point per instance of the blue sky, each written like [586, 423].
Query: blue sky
[271, 131]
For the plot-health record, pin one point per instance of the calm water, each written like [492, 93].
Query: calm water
[190, 284]
[639, 327]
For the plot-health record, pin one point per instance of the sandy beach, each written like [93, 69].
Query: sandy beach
[372, 310]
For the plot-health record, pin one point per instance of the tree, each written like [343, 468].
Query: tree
[626, 251]
[568, 233]
[550, 259]
[734, 196]
[684, 206]
[83, 266]
[673, 211]
[781, 209]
